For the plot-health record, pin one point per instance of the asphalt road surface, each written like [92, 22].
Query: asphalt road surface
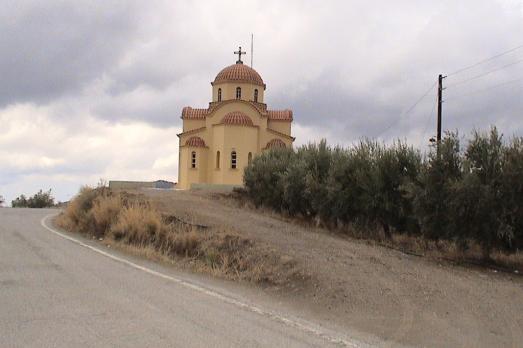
[59, 292]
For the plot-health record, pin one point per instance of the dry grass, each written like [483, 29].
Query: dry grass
[132, 223]
[451, 251]
[105, 211]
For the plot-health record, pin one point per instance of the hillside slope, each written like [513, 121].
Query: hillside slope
[397, 297]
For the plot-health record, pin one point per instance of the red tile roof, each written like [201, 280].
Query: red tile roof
[275, 143]
[280, 115]
[195, 130]
[189, 113]
[195, 142]
[239, 72]
[237, 118]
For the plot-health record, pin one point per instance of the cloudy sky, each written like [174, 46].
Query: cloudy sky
[94, 89]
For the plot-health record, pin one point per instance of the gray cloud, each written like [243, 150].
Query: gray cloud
[55, 48]
[348, 69]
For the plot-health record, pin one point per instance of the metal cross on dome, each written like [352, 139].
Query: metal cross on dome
[239, 53]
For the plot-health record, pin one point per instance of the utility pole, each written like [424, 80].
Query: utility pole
[440, 104]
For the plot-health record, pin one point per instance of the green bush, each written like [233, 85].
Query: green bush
[450, 194]
[431, 193]
[39, 200]
[263, 177]
[511, 188]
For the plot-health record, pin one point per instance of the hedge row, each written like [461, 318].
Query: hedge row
[451, 193]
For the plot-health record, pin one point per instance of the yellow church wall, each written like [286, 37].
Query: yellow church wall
[243, 140]
[189, 175]
[218, 133]
[225, 138]
[192, 124]
[183, 165]
[280, 126]
[229, 91]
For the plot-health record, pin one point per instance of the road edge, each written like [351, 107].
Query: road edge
[301, 325]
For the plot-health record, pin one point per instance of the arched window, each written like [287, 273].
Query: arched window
[238, 93]
[193, 159]
[256, 95]
[233, 160]
[219, 94]
[249, 158]
[217, 159]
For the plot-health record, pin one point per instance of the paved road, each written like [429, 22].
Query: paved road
[57, 293]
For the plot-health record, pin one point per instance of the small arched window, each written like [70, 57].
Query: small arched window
[217, 159]
[256, 95]
[233, 160]
[249, 158]
[238, 93]
[219, 94]
[193, 159]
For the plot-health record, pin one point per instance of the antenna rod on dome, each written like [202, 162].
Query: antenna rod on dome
[252, 48]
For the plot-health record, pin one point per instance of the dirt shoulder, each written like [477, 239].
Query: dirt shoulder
[400, 298]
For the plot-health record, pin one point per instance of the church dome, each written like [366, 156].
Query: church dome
[239, 72]
[237, 118]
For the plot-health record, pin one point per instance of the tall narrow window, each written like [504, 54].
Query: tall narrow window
[256, 95]
[217, 159]
[219, 94]
[233, 160]
[193, 159]
[249, 158]
[238, 93]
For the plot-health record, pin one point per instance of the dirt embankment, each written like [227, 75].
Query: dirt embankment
[131, 222]
[357, 284]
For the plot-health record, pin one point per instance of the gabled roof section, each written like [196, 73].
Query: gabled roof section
[189, 113]
[283, 135]
[256, 106]
[192, 131]
[280, 115]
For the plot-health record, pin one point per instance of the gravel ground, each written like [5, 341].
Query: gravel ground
[400, 298]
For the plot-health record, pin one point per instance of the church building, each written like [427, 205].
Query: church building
[218, 142]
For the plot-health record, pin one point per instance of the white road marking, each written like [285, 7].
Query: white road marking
[305, 327]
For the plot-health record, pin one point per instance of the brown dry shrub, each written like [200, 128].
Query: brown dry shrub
[180, 241]
[105, 212]
[137, 224]
[78, 215]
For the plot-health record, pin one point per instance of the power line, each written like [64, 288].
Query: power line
[407, 110]
[484, 74]
[485, 60]
[485, 89]
[429, 118]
